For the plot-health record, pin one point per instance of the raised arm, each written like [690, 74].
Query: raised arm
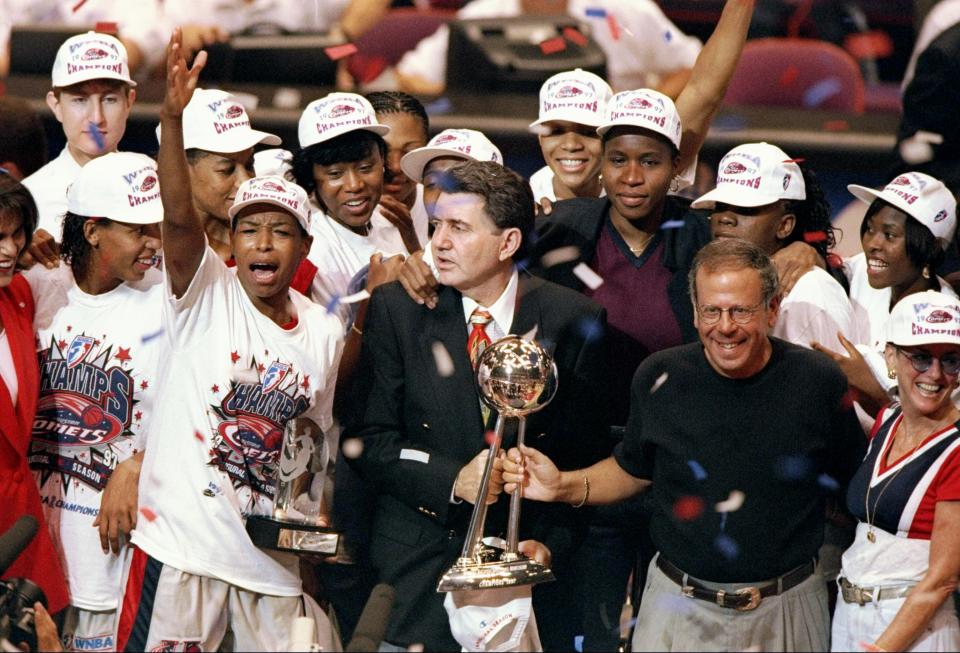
[183, 237]
[701, 98]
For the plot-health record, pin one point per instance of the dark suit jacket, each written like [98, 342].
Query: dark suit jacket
[420, 428]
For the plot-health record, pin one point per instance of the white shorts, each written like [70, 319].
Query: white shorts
[87, 630]
[166, 609]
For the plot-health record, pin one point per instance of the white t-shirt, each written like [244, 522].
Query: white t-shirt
[99, 358]
[340, 254]
[48, 185]
[647, 46]
[421, 221]
[871, 308]
[233, 381]
[814, 311]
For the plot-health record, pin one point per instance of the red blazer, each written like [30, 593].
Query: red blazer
[18, 490]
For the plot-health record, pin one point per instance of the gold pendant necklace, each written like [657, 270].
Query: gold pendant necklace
[637, 251]
[871, 536]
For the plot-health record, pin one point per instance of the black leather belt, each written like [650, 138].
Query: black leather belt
[744, 599]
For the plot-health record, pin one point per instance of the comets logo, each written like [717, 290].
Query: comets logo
[93, 54]
[639, 103]
[939, 317]
[568, 91]
[734, 168]
[235, 111]
[273, 187]
[79, 348]
[446, 138]
[275, 375]
[341, 110]
[148, 183]
[941, 216]
[902, 180]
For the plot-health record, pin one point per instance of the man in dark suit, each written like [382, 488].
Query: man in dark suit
[422, 428]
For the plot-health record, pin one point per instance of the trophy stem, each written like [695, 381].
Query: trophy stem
[513, 523]
[479, 516]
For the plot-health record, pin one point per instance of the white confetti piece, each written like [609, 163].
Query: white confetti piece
[352, 448]
[415, 455]
[443, 360]
[659, 382]
[530, 335]
[355, 297]
[590, 279]
[560, 255]
[732, 502]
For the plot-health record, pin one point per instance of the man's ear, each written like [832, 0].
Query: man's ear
[54, 103]
[510, 243]
[787, 224]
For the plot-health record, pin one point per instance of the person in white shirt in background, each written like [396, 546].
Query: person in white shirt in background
[905, 233]
[402, 200]
[643, 48]
[97, 317]
[219, 142]
[91, 97]
[248, 360]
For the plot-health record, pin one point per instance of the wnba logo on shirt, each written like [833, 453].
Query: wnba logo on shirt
[79, 348]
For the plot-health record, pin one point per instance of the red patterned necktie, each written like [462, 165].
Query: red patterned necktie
[478, 339]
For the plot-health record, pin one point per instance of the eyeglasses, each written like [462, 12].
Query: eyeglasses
[739, 314]
[921, 362]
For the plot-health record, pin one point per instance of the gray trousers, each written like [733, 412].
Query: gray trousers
[797, 620]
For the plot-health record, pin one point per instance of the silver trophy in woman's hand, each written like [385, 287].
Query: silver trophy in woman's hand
[516, 377]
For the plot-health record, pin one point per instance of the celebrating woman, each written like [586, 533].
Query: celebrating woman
[903, 566]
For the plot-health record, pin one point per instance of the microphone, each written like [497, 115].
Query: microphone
[372, 624]
[15, 540]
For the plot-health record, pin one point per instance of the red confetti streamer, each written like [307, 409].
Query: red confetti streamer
[553, 46]
[797, 161]
[489, 437]
[148, 514]
[198, 435]
[688, 508]
[869, 45]
[106, 27]
[836, 125]
[614, 27]
[574, 36]
[789, 75]
[815, 236]
[338, 52]
[77, 6]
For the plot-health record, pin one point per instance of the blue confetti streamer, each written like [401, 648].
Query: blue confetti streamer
[672, 224]
[729, 122]
[578, 643]
[699, 472]
[333, 303]
[727, 546]
[668, 36]
[793, 468]
[821, 92]
[590, 330]
[151, 336]
[439, 106]
[596, 12]
[828, 482]
[97, 136]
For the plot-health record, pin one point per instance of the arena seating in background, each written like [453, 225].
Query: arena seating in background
[795, 72]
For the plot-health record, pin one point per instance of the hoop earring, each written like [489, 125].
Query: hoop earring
[675, 184]
[891, 374]
[926, 272]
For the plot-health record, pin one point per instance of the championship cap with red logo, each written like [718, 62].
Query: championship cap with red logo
[215, 121]
[643, 108]
[754, 174]
[925, 318]
[90, 56]
[460, 143]
[573, 96]
[119, 186]
[276, 191]
[920, 196]
[337, 114]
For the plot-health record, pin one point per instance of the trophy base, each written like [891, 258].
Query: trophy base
[469, 574]
[292, 537]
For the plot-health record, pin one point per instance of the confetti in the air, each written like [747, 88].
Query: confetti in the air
[727, 546]
[439, 106]
[596, 12]
[338, 52]
[554, 45]
[590, 279]
[659, 382]
[443, 360]
[590, 329]
[560, 255]
[151, 336]
[147, 513]
[732, 503]
[688, 508]
[614, 27]
[333, 303]
[793, 468]
[77, 6]
[574, 35]
[355, 297]
[199, 436]
[489, 437]
[699, 472]
[530, 335]
[97, 136]
[672, 224]
[352, 448]
[815, 236]
[828, 482]
[822, 91]
[790, 75]
[668, 36]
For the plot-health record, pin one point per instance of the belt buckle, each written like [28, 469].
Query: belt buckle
[755, 598]
[862, 595]
[687, 591]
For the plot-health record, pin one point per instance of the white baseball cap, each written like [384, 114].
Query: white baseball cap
[754, 174]
[920, 196]
[643, 108]
[216, 122]
[275, 161]
[120, 186]
[276, 191]
[574, 96]
[925, 318]
[336, 114]
[461, 143]
[90, 56]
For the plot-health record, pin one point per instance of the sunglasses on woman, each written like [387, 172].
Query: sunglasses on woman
[921, 361]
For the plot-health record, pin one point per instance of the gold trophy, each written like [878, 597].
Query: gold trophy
[300, 520]
[515, 377]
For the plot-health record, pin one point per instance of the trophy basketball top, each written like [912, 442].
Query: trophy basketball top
[516, 377]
